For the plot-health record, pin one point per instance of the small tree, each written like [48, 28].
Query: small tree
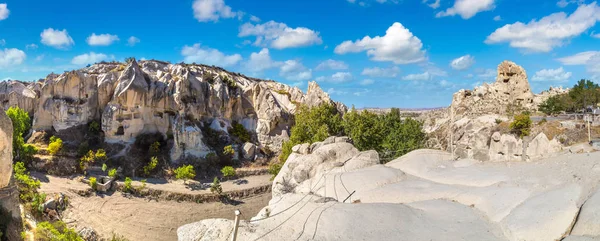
[521, 125]
[100, 155]
[151, 166]
[56, 144]
[228, 172]
[104, 167]
[215, 187]
[154, 149]
[127, 186]
[93, 183]
[185, 173]
[112, 173]
[94, 127]
[228, 151]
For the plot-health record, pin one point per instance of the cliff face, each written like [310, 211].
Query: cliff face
[175, 100]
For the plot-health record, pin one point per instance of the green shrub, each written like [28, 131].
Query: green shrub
[521, 125]
[228, 151]
[56, 231]
[21, 125]
[185, 173]
[552, 106]
[498, 121]
[94, 127]
[100, 155]
[154, 149]
[239, 131]
[228, 172]
[215, 187]
[104, 167]
[275, 167]
[127, 187]
[150, 166]
[93, 183]
[112, 173]
[56, 144]
[83, 148]
[26, 184]
[37, 203]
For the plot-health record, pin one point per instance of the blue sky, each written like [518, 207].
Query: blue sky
[367, 53]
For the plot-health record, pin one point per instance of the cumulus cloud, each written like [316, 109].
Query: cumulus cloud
[339, 77]
[132, 41]
[333, 91]
[417, 77]
[589, 59]
[463, 62]
[467, 8]
[11, 57]
[549, 32]
[204, 55]
[57, 38]
[331, 64]
[398, 45]
[497, 18]
[432, 3]
[279, 35]
[102, 39]
[211, 10]
[294, 70]
[254, 18]
[4, 12]
[367, 82]
[261, 61]
[559, 75]
[89, 58]
[381, 72]
[565, 3]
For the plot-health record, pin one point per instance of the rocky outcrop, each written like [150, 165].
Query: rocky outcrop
[335, 192]
[175, 100]
[511, 91]
[6, 133]
[9, 194]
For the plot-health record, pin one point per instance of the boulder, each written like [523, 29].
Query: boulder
[248, 151]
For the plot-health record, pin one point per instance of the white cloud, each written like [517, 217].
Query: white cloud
[361, 92]
[89, 58]
[565, 3]
[434, 3]
[579, 58]
[339, 77]
[31, 46]
[497, 18]
[463, 62]
[2, 42]
[332, 91]
[467, 8]
[211, 10]
[11, 57]
[294, 70]
[279, 35]
[4, 12]
[398, 45]
[331, 64]
[209, 56]
[596, 35]
[56, 38]
[254, 18]
[132, 41]
[102, 39]
[261, 61]
[593, 67]
[367, 82]
[381, 72]
[549, 32]
[558, 75]
[418, 77]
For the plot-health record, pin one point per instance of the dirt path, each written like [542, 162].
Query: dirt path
[137, 218]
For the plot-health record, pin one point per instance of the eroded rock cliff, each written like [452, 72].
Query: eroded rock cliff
[175, 100]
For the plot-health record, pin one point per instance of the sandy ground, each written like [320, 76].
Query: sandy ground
[141, 219]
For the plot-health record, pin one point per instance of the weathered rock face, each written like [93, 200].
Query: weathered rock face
[420, 196]
[6, 132]
[511, 91]
[175, 100]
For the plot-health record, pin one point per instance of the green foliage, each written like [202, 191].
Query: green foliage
[56, 144]
[56, 231]
[185, 173]
[585, 93]
[312, 125]
[150, 166]
[83, 148]
[93, 183]
[104, 167]
[553, 105]
[275, 167]
[112, 173]
[366, 129]
[94, 127]
[228, 172]
[37, 203]
[238, 130]
[91, 157]
[521, 125]
[215, 187]
[100, 155]
[25, 183]
[127, 187]
[228, 151]
[154, 149]
[21, 125]
[498, 121]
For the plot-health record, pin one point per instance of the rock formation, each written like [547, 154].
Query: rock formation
[9, 195]
[175, 100]
[331, 191]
